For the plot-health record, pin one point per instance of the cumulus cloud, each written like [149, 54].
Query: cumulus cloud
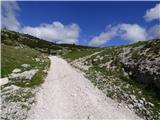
[154, 32]
[104, 36]
[129, 32]
[60, 33]
[9, 14]
[153, 13]
[132, 32]
[55, 32]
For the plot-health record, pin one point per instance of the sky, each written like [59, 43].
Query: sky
[85, 23]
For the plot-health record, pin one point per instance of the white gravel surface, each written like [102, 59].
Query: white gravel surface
[67, 94]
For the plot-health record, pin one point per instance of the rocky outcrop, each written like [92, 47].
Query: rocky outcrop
[142, 63]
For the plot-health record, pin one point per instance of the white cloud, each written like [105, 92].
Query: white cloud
[55, 32]
[104, 37]
[60, 33]
[8, 16]
[132, 32]
[154, 32]
[129, 32]
[153, 13]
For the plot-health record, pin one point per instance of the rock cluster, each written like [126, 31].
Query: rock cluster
[140, 63]
[143, 63]
[16, 102]
[24, 75]
[138, 104]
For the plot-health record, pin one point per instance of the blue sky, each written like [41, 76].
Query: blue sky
[103, 23]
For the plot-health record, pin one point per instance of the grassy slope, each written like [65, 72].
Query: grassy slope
[109, 77]
[78, 53]
[14, 56]
[15, 38]
[116, 79]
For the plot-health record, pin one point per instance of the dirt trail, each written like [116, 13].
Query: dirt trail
[67, 94]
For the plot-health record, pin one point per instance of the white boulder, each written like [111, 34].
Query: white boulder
[26, 74]
[37, 59]
[3, 81]
[16, 70]
[25, 65]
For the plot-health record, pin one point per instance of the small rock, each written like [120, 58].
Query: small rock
[151, 104]
[90, 117]
[101, 58]
[17, 47]
[133, 97]
[14, 87]
[27, 83]
[141, 101]
[45, 71]
[130, 106]
[139, 105]
[37, 59]
[26, 74]
[25, 65]
[31, 100]
[126, 74]
[3, 81]
[125, 95]
[16, 70]
[98, 56]
[95, 60]
[130, 73]
[127, 86]
[140, 92]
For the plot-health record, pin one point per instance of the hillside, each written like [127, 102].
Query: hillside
[70, 95]
[22, 70]
[14, 38]
[127, 74]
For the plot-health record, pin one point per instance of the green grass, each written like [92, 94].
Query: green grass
[137, 44]
[25, 107]
[154, 47]
[77, 53]
[37, 79]
[135, 55]
[13, 57]
[19, 96]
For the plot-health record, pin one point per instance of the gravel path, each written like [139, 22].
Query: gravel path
[67, 94]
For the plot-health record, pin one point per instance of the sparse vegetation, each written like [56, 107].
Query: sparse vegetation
[135, 56]
[77, 53]
[112, 69]
[107, 73]
[14, 57]
[20, 92]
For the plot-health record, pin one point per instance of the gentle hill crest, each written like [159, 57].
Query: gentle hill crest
[129, 73]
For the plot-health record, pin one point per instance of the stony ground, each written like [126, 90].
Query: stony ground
[104, 71]
[67, 94]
